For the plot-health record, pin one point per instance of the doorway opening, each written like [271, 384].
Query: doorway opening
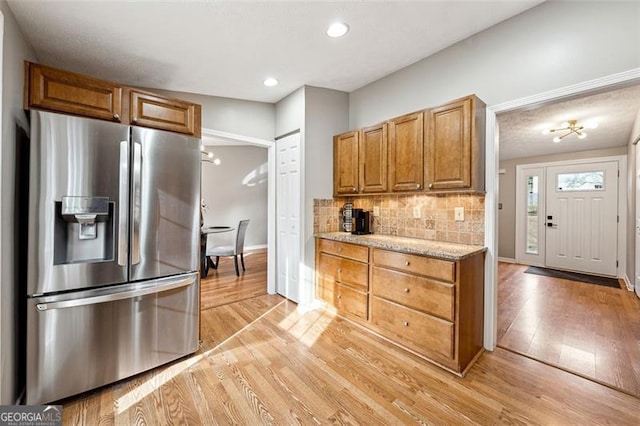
[566, 209]
[237, 185]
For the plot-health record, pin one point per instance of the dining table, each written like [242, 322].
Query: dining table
[204, 233]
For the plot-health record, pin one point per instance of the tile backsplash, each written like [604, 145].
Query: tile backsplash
[397, 216]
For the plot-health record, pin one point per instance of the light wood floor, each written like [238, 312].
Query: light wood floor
[588, 329]
[222, 286]
[263, 362]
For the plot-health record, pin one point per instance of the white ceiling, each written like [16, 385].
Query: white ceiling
[229, 48]
[615, 112]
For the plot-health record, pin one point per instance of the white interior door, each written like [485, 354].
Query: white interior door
[582, 217]
[288, 211]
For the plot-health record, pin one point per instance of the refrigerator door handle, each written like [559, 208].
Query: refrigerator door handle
[123, 203]
[92, 300]
[137, 203]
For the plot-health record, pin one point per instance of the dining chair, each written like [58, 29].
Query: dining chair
[235, 251]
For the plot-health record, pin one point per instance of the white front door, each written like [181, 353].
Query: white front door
[581, 217]
[288, 211]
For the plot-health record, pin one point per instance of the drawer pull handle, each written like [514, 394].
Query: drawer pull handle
[405, 323]
[407, 263]
[406, 290]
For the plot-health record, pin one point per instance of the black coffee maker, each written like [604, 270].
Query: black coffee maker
[362, 222]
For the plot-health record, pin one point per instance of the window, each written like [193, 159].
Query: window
[533, 196]
[582, 181]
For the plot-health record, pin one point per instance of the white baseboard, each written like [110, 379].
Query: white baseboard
[627, 282]
[506, 260]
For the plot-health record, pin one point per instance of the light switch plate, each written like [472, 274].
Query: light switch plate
[459, 214]
[376, 210]
[416, 213]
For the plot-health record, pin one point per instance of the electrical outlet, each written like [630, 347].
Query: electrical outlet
[416, 213]
[459, 214]
[376, 210]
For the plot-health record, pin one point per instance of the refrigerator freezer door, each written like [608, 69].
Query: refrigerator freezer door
[79, 341]
[81, 163]
[165, 204]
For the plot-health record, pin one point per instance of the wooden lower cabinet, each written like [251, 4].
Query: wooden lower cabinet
[433, 307]
[412, 328]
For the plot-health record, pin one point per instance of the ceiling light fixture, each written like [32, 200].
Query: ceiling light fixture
[270, 82]
[337, 29]
[570, 127]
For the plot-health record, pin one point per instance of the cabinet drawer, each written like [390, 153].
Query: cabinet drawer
[350, 301]
[157, 112]
[352, 251]
[344, 270]
[416, 292]
[420, 332]
[440, 269]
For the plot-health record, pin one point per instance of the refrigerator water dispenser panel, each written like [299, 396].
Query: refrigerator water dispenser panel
[84, 230]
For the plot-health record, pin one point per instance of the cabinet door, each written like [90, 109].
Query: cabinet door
[449, 147]
[345, 163]
[373, 159]
[406, 170]
[61, 91]
[174, 115]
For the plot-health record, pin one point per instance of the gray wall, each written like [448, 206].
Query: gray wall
[246, 118]
[235, 190]
[550, 46]
[15, 50]
[290, 113]
[326, 114]
[632, 214]
[507, 196]
[319, 114]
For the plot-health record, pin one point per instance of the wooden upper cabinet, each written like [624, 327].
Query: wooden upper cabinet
[150, 110]
[373, 159]
[61, 91]
[454, 154]
[345, 163]
[406, 167]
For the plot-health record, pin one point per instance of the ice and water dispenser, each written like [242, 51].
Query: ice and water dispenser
[84, 230]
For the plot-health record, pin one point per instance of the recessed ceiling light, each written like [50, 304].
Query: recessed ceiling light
[270, 82]
[337, 29]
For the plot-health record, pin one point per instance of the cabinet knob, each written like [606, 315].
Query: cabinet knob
[340, 270]
[339, 296]
[354, 189]
[418, 185]
[361, 188]
[406, 290]
[116, 116]
[405, 323]
[134, 120]
[407, 263]
[430, 186]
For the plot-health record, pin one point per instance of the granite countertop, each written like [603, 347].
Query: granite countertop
[443, 250]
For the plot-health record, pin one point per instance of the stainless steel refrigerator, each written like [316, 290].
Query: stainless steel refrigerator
[113, 250]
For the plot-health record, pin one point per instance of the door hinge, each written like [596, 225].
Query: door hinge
[618, 173]
[618, 219]
[616, 263]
